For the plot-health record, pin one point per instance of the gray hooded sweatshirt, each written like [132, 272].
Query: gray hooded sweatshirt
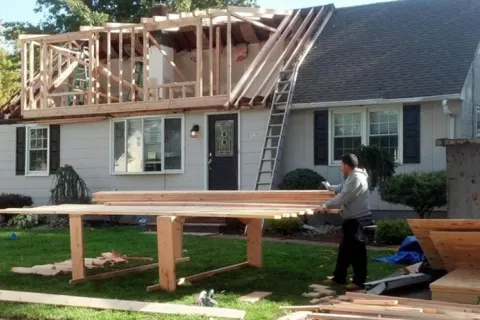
[353, 196]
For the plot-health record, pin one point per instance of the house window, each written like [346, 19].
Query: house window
[372, 126]
[148, 145]
[383, 130]
[37, 155]
[347, 134]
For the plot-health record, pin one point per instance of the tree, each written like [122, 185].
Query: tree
[379, 165]
[9, 75]
[69, 15]
[421, 191]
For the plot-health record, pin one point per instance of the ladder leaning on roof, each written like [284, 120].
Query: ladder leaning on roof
[282, 97]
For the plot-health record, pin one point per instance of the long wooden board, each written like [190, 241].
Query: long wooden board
[458, 250]
[123, 305]
[459, 281]
[422, 227]
[276, 196]
[182, 211]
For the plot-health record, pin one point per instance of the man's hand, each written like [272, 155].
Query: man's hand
[322, 209]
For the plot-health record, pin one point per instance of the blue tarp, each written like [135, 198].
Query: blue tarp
[409, 252]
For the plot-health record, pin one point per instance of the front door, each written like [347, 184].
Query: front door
[223, 152]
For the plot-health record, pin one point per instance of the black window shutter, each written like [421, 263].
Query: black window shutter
[321, 138]
[411, 134]
[20, 151]
[54, 148]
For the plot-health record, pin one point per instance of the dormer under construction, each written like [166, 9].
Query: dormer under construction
[204, 60]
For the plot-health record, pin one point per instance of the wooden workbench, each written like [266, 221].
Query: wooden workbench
[170, 212]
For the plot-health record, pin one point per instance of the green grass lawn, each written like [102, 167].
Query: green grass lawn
[288, 270]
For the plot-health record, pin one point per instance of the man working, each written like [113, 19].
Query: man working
[353, 197]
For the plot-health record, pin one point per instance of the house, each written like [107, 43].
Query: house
[234, 98]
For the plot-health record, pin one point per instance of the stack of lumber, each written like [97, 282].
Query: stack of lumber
[320, 293]
[452, 245]
[369, 307]
[64, 267]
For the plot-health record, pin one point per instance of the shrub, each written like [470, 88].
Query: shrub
[69, 188]
[302, 179]
[421, 191]
[379, 165]
[392, 232]
[13, 200]
[285, 226]
[22, 221]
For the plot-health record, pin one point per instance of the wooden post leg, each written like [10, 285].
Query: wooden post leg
[254, 243]
[178, 238]
[76, 247]
[166, 253]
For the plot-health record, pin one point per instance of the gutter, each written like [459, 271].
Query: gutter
[380, 101]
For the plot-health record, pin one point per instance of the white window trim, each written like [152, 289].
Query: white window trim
[164, 172]
[365, 128]
[29, 173]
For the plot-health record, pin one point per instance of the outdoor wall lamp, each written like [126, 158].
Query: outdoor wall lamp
[194, 131]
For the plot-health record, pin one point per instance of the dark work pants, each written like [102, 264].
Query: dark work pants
[352, 251]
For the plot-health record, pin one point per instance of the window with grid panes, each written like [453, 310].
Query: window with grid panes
[383, 130]
[37, 155]
[347, 135]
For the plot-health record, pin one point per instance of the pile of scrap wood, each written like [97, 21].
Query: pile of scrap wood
[451, 245]
[369, 307]
[64, 267]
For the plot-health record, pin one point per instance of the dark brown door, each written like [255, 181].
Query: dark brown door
[223, 152]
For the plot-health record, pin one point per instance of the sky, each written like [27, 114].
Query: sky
[22, 10]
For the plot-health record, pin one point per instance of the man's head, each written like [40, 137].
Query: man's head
[349, 163]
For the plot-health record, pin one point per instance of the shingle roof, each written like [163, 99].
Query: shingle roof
[410, 48]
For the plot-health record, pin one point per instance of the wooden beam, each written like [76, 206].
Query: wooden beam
[76, 247]
[217, 60]
[91, 68]
[254, 243]
[132, 63]
[43, 77]
[120, 65]
[122, 305]
[109, 67]
[210, 57]
[178, 238]
[199, 46]
[97, 64]
[166, 252]
[116, 273]
[146, 67]
[229, 58]
[209, 274]
[31, 73]
[255, 23]
[24, 69]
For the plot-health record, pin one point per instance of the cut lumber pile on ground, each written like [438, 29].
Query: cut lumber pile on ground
[254, 296]
[452, 245]
[372, 307]
[320, 293]
[64, 267]
[122, 305]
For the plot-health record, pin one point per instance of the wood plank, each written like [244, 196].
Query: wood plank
[210, 57]
[199, 48]
[255, 296]
[120, 65]
[43, 76]
[23, 72]
[97, 65]
[132, 63]
[178, 238]
[217, 60]
[229, 58]
[76, 247]
[422, 227]
[122, 305]
[209, 274]
[146, 65]
[459, 281]
[166, 253]
[109, 67]
[91, 67]
[31, 66]
[254, 243]
[378, 302]
[255, 23]
[457, 249]
[330, 316]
